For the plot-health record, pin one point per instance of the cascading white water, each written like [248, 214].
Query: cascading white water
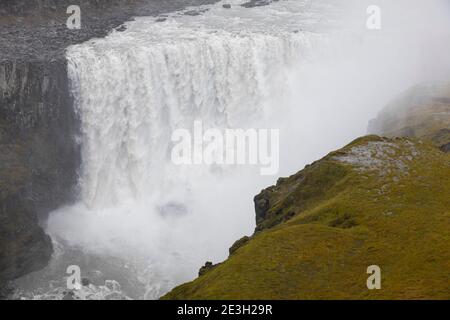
[133, 96]
[237, 67]
[133, 89]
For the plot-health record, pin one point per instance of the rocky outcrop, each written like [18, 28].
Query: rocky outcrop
[256, 3]
[207, 267]
[24, 247]
[239, 243]
[291, 195]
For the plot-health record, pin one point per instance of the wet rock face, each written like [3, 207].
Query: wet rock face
[38, 162]
[24, 247]
[38, 116]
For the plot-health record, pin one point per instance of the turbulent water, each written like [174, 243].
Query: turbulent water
[149, 224]
[228, 68]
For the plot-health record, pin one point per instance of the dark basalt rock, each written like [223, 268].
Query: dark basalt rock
[24, 247]
[262, 204]
[207, 267]
[37, 112]
[121, 28]
[445, 147]
[38, 160]
[192, 13]
[256, 3]
[85, 282]
[195, 12]
[239, 243]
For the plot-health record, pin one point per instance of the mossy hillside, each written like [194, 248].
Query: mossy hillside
[388, 204]
[317, 182]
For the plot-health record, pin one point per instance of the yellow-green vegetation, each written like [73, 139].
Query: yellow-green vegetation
[377, 201]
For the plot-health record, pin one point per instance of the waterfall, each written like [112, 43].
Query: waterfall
[133, 89]
[133, 96]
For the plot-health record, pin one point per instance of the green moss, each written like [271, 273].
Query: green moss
[295, 194]
[344, 220]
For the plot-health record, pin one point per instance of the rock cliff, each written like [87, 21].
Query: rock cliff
[39, 159]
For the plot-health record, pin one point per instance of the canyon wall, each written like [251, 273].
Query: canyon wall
[39, 158]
